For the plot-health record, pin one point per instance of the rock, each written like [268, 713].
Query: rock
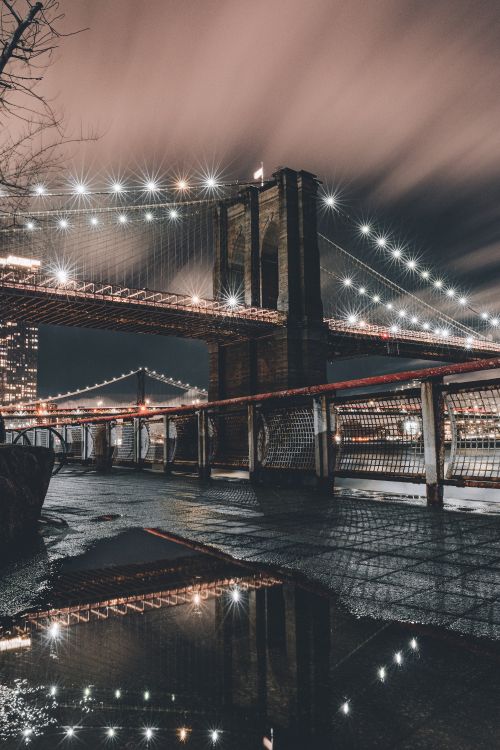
[25, 473]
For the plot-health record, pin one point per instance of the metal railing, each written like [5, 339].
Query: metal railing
[434, 432]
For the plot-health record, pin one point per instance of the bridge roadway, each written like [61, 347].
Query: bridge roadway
[42, 300]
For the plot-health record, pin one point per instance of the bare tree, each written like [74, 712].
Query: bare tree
[31, 132]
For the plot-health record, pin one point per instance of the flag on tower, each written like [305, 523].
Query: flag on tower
[259, 174]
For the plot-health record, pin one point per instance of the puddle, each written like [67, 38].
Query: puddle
[143, 642]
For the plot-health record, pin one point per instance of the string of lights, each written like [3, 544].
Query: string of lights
[376, 299]
[145, 733]
[207, 180]
[397, 252]
[382, 674]
[89, 693]
[354, 318]
[92, 216]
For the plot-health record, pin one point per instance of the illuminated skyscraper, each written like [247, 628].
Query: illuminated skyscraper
[18, 344]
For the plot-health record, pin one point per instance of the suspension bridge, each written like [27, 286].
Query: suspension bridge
[140, 389]
[276, 277]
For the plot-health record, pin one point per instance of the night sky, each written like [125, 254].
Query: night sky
[395, 102]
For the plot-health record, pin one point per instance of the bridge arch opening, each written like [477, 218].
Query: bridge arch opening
[269, 267]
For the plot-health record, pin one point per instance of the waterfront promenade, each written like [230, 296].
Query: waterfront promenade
[382, 558]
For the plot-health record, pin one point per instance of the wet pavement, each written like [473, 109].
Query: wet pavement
[357, 621]
[381, 558]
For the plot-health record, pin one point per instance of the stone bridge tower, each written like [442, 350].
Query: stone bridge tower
[266, 252]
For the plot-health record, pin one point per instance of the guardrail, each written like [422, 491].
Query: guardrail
[436, 433]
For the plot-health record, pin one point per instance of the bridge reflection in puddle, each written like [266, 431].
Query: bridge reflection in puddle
[200, 651]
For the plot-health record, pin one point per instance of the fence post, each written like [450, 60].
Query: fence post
[203, 445]
[85, 442]
[167, 467]
[432, 427]
[137, 442]
[110, 449]
[322, 443]
[252, 441]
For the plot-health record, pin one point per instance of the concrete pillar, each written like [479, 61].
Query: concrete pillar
[203, 445]
[432, 427]
[322, 443]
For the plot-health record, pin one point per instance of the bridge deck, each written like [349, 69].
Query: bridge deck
[107, 306]
[37, 300]
[353, 340]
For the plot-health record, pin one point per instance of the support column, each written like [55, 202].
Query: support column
[203, 445]
[322, 443]
[432, 426]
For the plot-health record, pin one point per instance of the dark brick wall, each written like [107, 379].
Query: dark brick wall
[296, 355]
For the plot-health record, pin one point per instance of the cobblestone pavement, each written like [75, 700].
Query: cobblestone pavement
[382, 558]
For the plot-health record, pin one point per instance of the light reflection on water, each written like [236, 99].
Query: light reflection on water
[222, 670]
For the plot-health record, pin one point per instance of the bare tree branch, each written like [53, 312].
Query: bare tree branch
[32, 135]
[15, 40]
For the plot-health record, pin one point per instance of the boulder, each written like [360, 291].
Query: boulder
[25, 473]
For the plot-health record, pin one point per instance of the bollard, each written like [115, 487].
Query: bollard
[432, 427]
